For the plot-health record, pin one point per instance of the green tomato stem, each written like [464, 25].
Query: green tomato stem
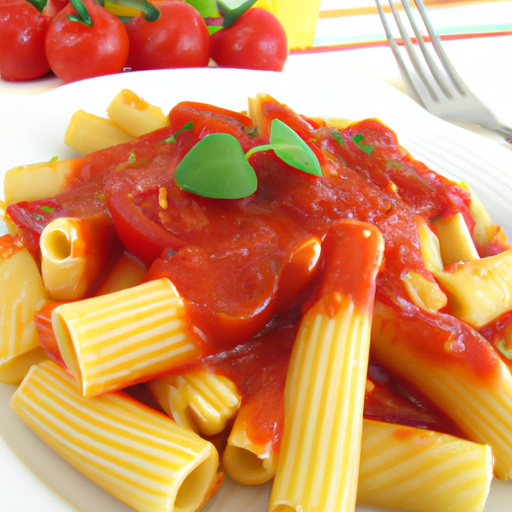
[38, 4]
[82, 14]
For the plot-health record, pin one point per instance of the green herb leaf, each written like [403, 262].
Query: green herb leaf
[47, 209]
[172, 138]
[365, 148]
[291, 149]
[216, 167]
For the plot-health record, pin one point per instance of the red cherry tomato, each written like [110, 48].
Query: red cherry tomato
[23, 29]
[255, 41]
[76, 51]
[179, 38]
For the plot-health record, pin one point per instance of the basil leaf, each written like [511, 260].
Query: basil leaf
[291, 149]
[216, 167]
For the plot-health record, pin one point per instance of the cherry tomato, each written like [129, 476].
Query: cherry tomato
[23, 30]
[179, 38]
[76, 51]
[256, 40]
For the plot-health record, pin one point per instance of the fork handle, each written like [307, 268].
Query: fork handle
[503, 130]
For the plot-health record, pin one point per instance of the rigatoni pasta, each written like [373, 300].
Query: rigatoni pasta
[198, 399]
[421, 470]
[22, 294]
[121, 338]
[480, 403]
[140, 456]
[76, 254]
[325, 386]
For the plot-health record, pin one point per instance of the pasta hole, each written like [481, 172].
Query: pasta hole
[246, 467]
[195, 486]
[58, 245]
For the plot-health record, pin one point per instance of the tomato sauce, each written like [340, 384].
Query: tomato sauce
[227, 258]
[259, 367]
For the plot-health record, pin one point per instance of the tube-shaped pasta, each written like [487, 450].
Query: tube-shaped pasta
[38, 181]
[21, 294]
[135, 453]
[127, 272]
[417, 470]
[455, 240]
[479, 290]
[197, 399]
[325, 386]
[114, 340]
[247, 461]
[76, 253]
[134, 115]
[423, 292]
[430, 248]
[87, 133]
[454, 368]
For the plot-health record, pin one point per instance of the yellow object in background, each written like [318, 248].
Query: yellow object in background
[298, 18]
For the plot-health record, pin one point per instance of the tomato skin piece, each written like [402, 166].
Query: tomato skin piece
[256, 40]
[23, 29]
[76, 52]
[178, 39]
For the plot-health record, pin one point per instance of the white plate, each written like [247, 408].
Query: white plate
[32, 477]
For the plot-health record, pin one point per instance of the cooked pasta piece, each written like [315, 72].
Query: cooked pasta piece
[417, 470]
[245, 460]
[454, 368]
[479, 290]
[197, 399]
[38, 181]
[21, 294]
[47, 339]
[325, 387]
[430, 248]
[127, 272]
[76, 253]
[87, 133]
[114, 340]
[423, 292]
[135, 453]
[456, 243]
[134, 115]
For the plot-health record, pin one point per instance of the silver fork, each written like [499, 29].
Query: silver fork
[439, 89]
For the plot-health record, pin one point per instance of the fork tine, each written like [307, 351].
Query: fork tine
[421, 43]
[404, 71]
[436, 43]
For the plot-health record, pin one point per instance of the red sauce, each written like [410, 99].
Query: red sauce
[9, 246]
[227, 257]
[258, 369]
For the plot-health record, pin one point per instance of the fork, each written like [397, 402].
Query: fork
[439, 89]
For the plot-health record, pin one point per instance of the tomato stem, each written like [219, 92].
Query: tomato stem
[82, 14]
[38, 4]
[230, 10]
